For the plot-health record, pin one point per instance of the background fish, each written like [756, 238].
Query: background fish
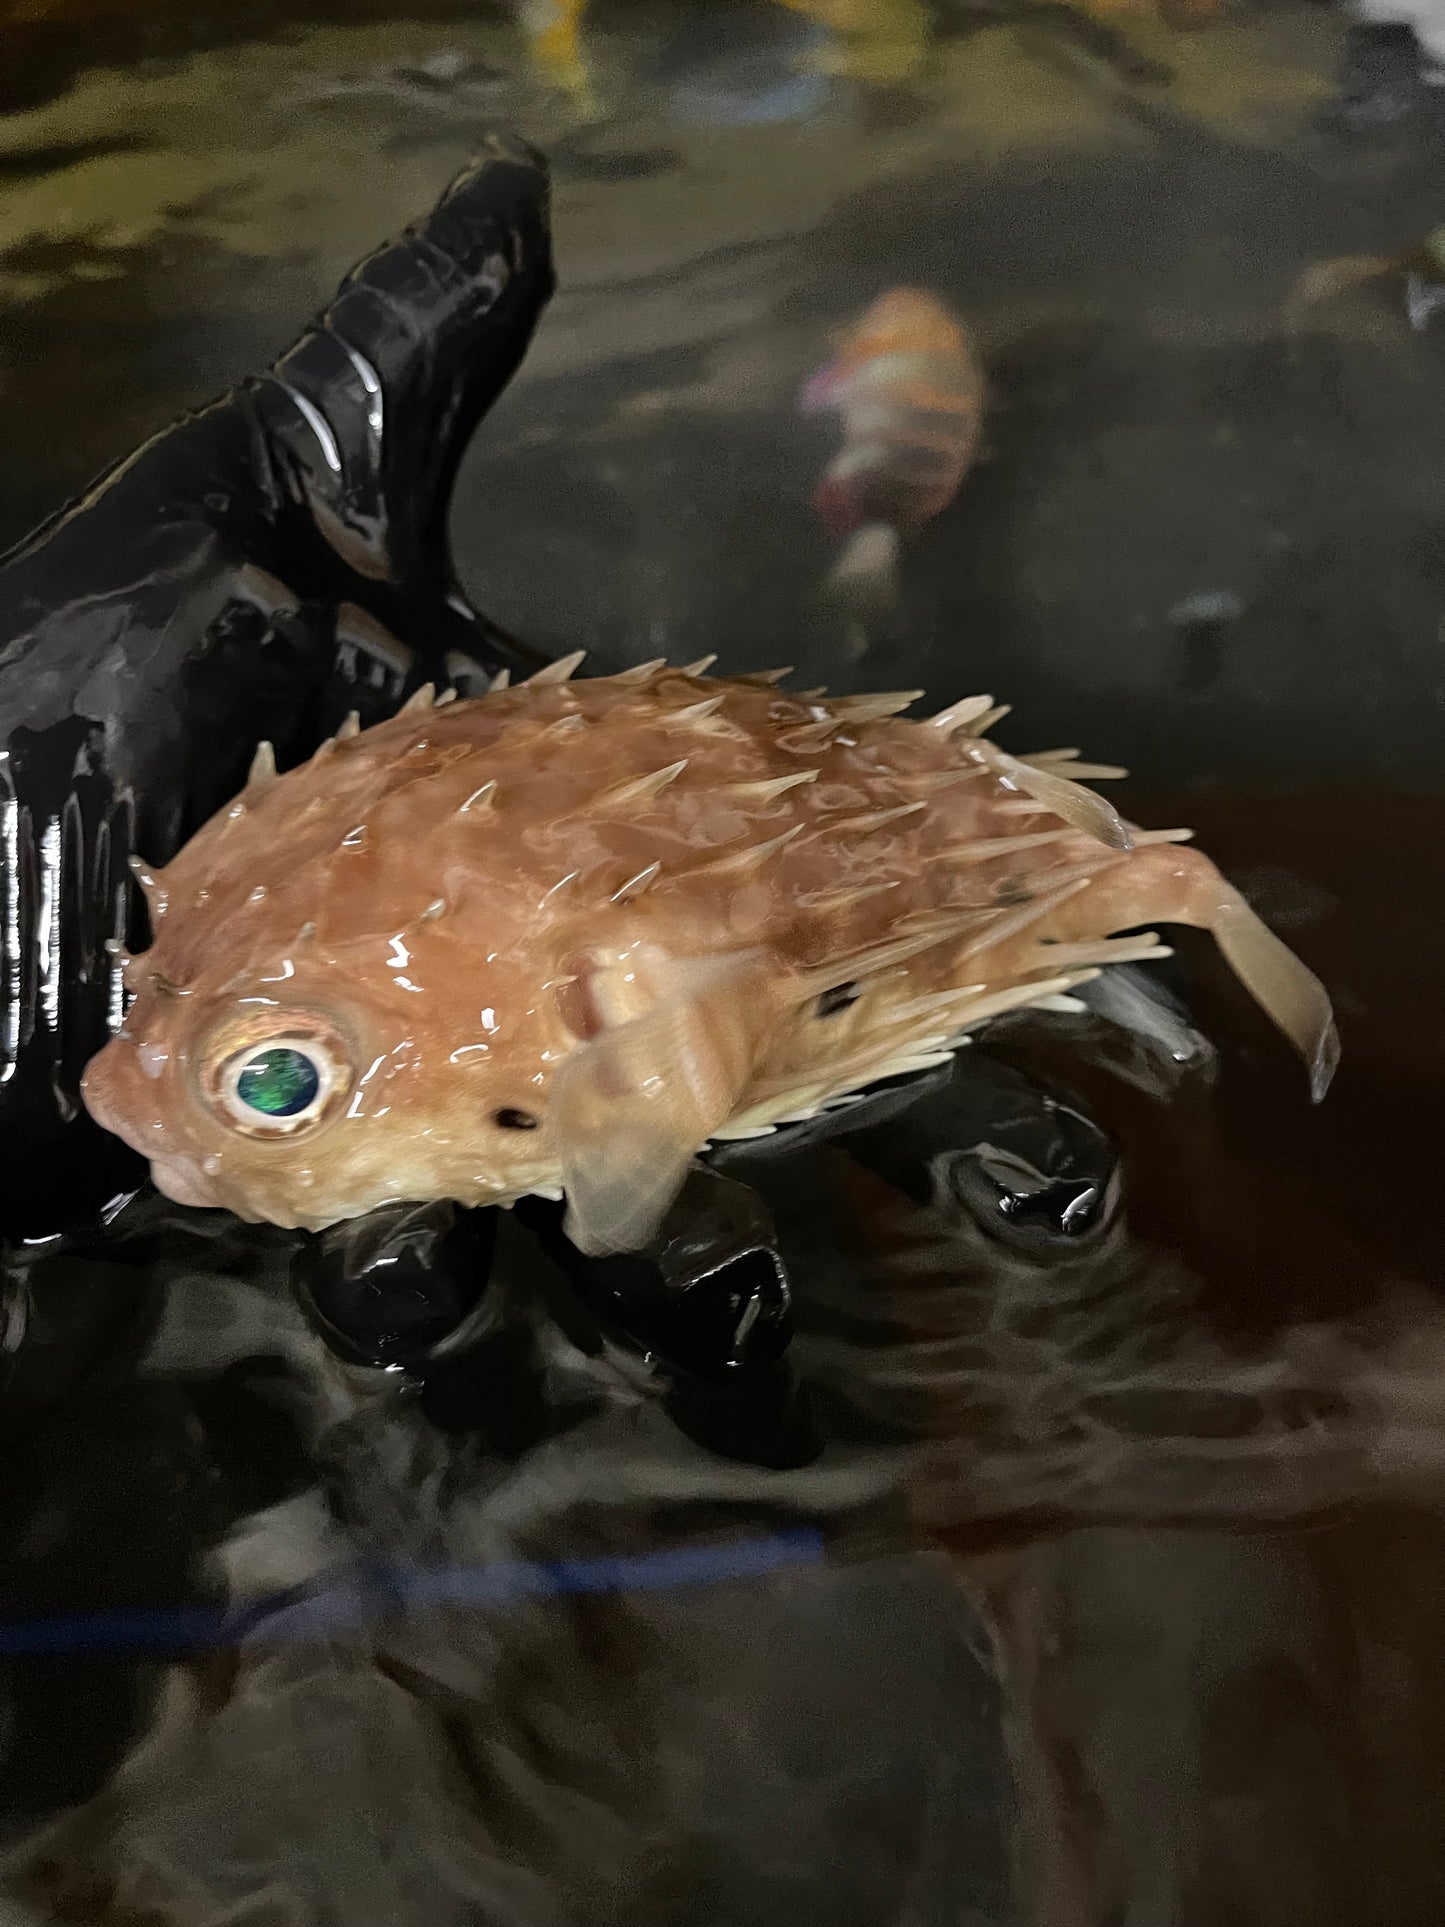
[910, 391]
[566, 934]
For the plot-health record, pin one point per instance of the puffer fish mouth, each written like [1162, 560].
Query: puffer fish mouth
[175, 1175]
[97, 1090]
[177, 1178]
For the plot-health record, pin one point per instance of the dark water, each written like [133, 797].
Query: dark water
[1131, 1606]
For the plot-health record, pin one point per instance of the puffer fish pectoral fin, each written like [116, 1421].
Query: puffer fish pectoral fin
[1076, 805]
[633, 1105]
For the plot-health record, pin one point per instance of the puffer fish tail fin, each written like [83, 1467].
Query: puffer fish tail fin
[864, 579]
[633, 1105]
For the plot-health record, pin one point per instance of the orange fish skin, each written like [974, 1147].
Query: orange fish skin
[910, 391]
[630, 914]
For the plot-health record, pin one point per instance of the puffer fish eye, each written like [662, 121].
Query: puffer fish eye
[511, 1119]
[276, 1086]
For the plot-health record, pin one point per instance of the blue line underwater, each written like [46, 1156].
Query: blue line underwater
[375, 1591]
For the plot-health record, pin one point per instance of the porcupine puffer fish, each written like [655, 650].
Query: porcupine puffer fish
[564, 934]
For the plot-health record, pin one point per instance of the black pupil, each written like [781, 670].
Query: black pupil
[836, 999]
[512, 1120]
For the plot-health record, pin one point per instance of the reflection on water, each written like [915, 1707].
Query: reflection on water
[1171, 1656]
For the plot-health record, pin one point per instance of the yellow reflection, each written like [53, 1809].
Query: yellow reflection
[554, 33]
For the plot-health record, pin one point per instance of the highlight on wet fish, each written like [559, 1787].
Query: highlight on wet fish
[910, 392]
[558, 937]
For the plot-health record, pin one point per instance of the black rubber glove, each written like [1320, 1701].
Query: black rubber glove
[248, 573]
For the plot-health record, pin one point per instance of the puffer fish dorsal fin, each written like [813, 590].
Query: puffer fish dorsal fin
[633, 1104]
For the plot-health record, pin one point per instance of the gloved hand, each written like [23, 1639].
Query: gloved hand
[256, 570]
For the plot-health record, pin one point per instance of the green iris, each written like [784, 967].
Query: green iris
[279, 1082]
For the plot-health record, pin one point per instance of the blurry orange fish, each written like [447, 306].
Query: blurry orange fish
[909, 389]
